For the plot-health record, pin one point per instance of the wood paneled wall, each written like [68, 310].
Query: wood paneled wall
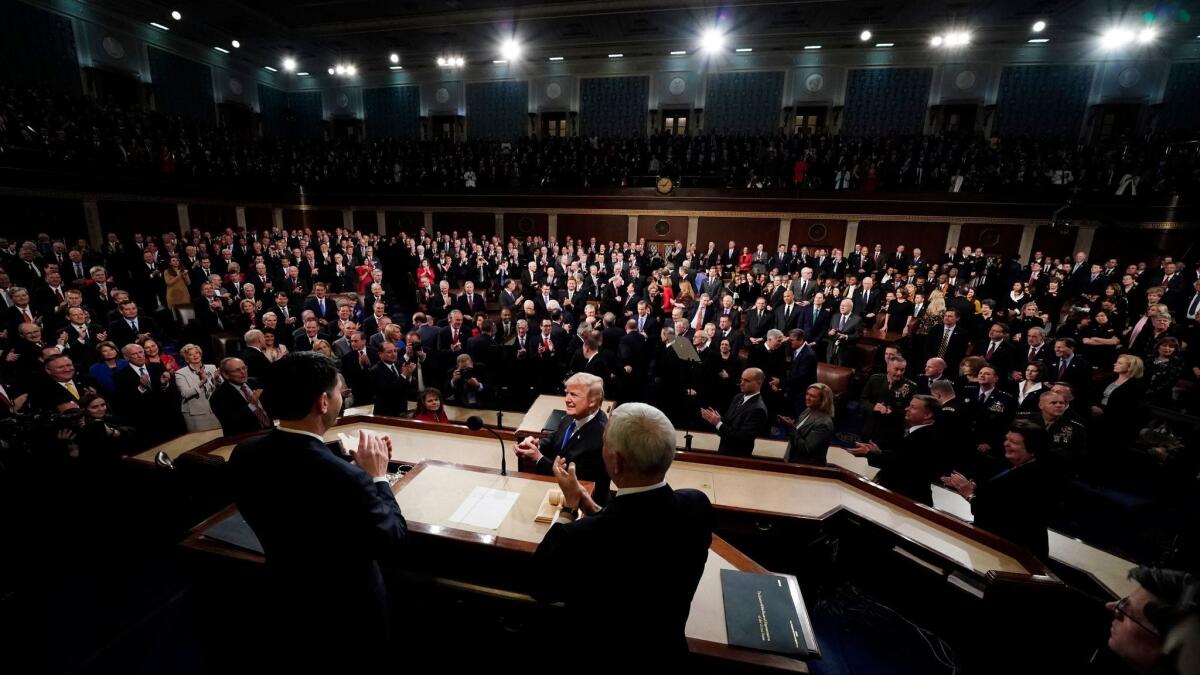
[1053, 244]
[1001, 239]
[815, 232]
[259, 218]
[365, 222]
[526, 225]
[480, 224]
[678, 228]
[409, 222]
[214, 218]
[604, 228]
[929, 237]
[125, 218]
[745, 231]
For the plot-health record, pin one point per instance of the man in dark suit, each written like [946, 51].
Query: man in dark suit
[909, 466]
[130, 326]
[391, 382]
[1067, 366]
[801, 371]
[143, 397]
[237, 401]
[814, 320]
[258, 366]
[997, 349]
[322, 551]
[356, 366]
[745, 420]
[324, 307]
[948, 341]
[787, 314]
[579, 437]
[1034, 350]
[845, 328]
[759, 320]
[469, 302]
[647, 520]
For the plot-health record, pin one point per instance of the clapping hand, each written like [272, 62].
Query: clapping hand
[568, 482]
[863, 449]
[373, 453]
[528, 449]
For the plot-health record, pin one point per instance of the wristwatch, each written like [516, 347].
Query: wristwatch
[572, 511]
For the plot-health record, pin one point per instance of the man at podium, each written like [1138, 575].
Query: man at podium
[627, 572]
[579, 437]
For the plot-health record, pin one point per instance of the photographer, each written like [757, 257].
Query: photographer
[468, 384]
[100, 439]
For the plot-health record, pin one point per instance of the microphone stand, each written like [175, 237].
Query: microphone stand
[475, 423]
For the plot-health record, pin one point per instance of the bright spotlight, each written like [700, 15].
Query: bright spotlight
[1039, 26]
[351, 70]
[936, 41]
[176, 15]
[1116, 38]
[331, 70]
[340, 69]
[712, 40]
[441, 61]
[1147, 35]
[865, 35]
[236, 44]
[510, 50]
[289, 64]
[394, 58]
[459, 61]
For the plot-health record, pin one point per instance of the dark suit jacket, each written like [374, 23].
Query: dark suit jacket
[330, 314]
[956, 350]
[1078, 372]
[810, 441]
[231, 409]
[802, 371]
[741, 424]
[390, 391]
[583, 449]
[785, 321]
[121, 334]
[1018, 504]
[757, 327]
[258, 366]
[814, 327]
[645, 613]
[322, 551]
[912, 464]
[477, 306]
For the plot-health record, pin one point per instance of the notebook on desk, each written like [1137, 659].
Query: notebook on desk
[761, 613]
[235, 531]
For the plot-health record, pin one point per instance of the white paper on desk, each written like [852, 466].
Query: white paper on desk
[485, 508]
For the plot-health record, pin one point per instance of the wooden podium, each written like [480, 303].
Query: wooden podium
[496, 560]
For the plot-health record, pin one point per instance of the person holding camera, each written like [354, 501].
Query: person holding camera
[100, 438]
[468, 383]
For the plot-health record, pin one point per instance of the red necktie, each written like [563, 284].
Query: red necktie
[991, 350]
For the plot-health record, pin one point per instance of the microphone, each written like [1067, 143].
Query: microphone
[475, 423]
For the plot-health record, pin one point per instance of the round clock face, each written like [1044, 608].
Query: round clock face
[665, 185]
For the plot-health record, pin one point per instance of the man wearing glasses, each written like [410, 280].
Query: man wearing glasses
[1142, 618]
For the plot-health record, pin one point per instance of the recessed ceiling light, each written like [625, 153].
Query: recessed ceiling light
[615, 56]
[812, 46]
[556, 58]
[936, 41]
[510, 50]
[331, 71]
[176, 15]
[460, 61]
[302, 74]
[351, 69]
[499, 61]
[1039, 26]
[289, 64]
[885, 44]
[394, 57]
[744, 50]
[270, 69]
[159, 26]
[865, 35]
[395, 67]
[222, 50]
[957, 39]
[682, 52]
[236, 44]
[1039, 41]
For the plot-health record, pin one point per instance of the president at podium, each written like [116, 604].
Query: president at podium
[579, 437]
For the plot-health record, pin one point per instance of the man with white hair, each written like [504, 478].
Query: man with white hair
[579, 436]
[647, 525]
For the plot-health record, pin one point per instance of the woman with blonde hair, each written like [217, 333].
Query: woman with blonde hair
[813, 430]
[196, 382]
[1117, 406]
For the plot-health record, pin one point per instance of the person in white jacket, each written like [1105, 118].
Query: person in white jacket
[196, 382]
